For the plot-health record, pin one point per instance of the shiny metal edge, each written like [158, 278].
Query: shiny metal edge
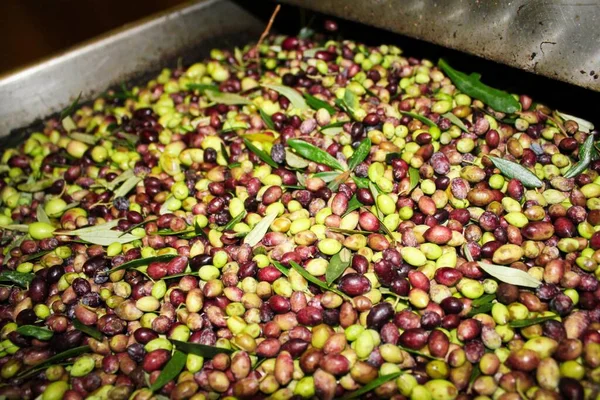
[559, 39]
[44, 88]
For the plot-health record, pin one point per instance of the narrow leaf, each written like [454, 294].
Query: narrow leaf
[229, 99]
[292, 95]
[360, 154]
[267, 119]
[349, 231]
[413, 176]
[263, 155]
[234, 221]
[337, 265]
[517, 171]
[22, 279]
[311, 53]
[74, 352]
[456, 121]
[584, 126]
[71, 108]
[362, 183]
[305, 33]
[314, 153]
[587, 153]
[332, 131]
[126, 187]
[419, 117]
[523, 323]
[143, 261]
[485, 299]
[314, 280]
[285, 271]
[16, 227]
[357, 394]
[202, 87]
[106, 238]
[327, 176]
[123, 176]
[259, 137]
[41, 215]
[294, 160]
[102, 227]
[35, 331]
[470, 84]
[88, 330]
[301, 179]
[36, 186]
[353, 204]
[513, 276]
[316, 104]
[170, 371]
[199, 349]
[482, 309]
[260, 230]
[16, 242]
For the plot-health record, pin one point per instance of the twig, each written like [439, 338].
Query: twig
[264, 35]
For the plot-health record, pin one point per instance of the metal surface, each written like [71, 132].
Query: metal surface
[556, 38]
[49, 86]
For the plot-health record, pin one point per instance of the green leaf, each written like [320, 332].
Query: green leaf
[102, 227]
[294, 160]
[332, 131]
[305, 33]
[224, 153]
[292, 95]
[281, 268]
[360, 154]
[36, 186]
[499, 100]
[267, 119]
[584, 126]
[313, 153]
[260, 230]
[485, 299]
[260, 153]
[349, 231]
[316, 104]
[419, 117]
[16, 227]
[122, 177]
[71, 108]
[88, 330]
[362, 183]
[41, 215]
[231, 126]
[199, 349]
[389, 157]
[107, 237]
[353, 204]
[349, 102]
[229, 99]
[482, 309]
[327, 176]
[35, 331]
[375, 193]
[143, 261]
[413, 176]
[311, 53]
[511, 169]
[523, 323]
[371, 386]
[456, 121]
[74, 352]
[234, 221]
[126, 187]
[337, 265]
[587, 153]
[314, 280]
[513, 276]
[16, 242]
[170, 371]
[202, 87]
[338, 124]
[22, 279]
[84, 138]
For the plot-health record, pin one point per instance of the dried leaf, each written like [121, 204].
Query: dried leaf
[511, 169]
[292, 95]
[513, 276]
[260, 230]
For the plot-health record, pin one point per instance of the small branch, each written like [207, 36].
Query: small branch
[265, 34]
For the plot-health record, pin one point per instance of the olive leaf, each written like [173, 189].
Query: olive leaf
[523, 323]
[170, 371]
[311, 53]
[202, 87]
[22, 279]
[126, 187]
[260, 230]
[485, 299]
[337, 265]
[456, 121]
[313, 153]
[374, 384]
[37, 255]
[482, 309]
[142, 261]
[41, 215]
[230, 126]
[107, 237]
[316, 104]
[419, 117]
[512, 170]
[198, 349]
[35, 331]
[263, 155]
[349, 102]
[305, 33]
[101, 227]
[285, 271]
[74, 352]
[229, 99]
[267, 119]
[122, 177]
[292, 95]
[362, 183]
[587, 153]
[584, 126]
[16, 227]
[375, 193]
[314, 280]
[513, 276]
[360, 154]
[333, 131]
[353, 204]
[71, 108]
[294, 160]
[349, 231]
[327, 176]
[413, 176]
[234, 221]
[499, 100]
[88, 330]
[301, 179]
[37, 186]
[16, 242]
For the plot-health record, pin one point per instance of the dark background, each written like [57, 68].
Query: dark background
[33, 29]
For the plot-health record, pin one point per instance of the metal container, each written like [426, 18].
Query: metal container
[135, 50]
